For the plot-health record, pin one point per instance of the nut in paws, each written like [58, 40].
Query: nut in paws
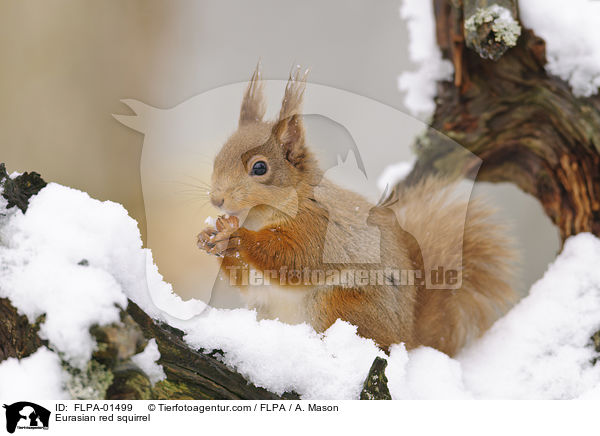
[218, 241]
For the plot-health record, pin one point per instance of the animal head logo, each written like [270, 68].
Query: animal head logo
[191, 164]
[26, 415]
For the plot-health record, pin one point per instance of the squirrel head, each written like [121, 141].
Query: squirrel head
[263, 163]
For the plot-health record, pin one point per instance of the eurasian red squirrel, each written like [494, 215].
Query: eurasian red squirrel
[266, 170]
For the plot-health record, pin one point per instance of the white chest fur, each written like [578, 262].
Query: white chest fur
[272, 301]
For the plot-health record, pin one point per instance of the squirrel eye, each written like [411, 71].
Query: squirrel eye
[259, 168]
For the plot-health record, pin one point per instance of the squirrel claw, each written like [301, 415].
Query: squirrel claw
[218, 241]
[206, 238]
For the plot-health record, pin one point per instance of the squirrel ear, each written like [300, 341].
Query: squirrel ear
[289, 133]
[289, 129]
[253, 104]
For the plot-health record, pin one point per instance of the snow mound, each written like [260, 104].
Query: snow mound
[54, 262]
[541, 348]
[77, 260]
[37, 377]
[281, 357]
[146, 361]
[571, 32]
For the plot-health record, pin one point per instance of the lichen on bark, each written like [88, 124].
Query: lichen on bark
[490, 26]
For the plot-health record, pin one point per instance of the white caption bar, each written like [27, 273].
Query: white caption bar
[297, 417]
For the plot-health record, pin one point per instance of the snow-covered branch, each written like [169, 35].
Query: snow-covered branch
[75, 307]
[491, 26]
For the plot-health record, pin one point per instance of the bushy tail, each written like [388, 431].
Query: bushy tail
[442, 222]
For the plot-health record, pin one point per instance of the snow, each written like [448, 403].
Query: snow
[210, 221]
[42, 272]
[420, 85]
[540, 349]
[36, 377]
[76, 260]
[393, 174]
[571, 33]
[146, 361]
[282, 357]
[424, 373]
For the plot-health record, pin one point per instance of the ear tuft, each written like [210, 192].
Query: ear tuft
[253, 105]
[294, 93]
[289, 129]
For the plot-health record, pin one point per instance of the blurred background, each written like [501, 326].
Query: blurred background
[66, 64]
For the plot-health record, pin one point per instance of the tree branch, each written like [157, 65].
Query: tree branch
[526, 126]
[490, 26]
[190, 373]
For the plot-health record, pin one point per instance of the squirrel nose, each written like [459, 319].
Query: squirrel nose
[217, 201]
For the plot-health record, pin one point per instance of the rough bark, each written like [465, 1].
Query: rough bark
[375, 386]
[17, 191]
[18, 338]
[526, 126]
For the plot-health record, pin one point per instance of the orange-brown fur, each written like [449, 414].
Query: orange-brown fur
[288, 219]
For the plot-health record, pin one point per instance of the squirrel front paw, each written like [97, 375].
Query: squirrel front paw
[219, 241]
